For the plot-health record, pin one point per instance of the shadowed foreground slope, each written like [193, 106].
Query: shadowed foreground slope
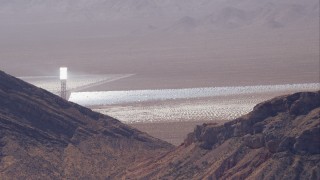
[279, 139]
[45, 137]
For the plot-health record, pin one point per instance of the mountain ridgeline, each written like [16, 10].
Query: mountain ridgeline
[172, 15]
[45, 137]
[279, 139]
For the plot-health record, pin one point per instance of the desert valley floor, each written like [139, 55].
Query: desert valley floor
[168, 114]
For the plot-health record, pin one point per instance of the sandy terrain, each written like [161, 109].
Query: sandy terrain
[172, 132]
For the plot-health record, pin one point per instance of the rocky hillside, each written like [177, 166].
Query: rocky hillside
[279, 139]
[45, 137]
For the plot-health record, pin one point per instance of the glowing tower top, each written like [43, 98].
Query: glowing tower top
[63, 73]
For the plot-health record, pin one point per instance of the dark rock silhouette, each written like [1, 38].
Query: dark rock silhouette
[279, 139]
[45, 137]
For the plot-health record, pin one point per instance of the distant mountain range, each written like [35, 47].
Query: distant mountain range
[174, 15]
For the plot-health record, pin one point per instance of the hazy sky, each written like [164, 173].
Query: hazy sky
[158, 36]
[162, 15]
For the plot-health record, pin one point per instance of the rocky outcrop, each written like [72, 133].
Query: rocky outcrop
[279, 139]
[266, 125]
[45, 137]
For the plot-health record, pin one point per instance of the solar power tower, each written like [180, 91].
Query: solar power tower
[63, 79]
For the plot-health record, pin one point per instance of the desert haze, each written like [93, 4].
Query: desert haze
[167, 44]
[160, 89]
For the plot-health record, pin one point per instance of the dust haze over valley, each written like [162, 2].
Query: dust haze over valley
[166, 44]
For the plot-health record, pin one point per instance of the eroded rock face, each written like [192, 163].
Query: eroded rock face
[271, 119]
[279, 139]
[308, 141]
[254, 141]
[45, 137]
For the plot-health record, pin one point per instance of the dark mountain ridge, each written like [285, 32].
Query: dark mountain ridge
[45, 137]
[279, 139]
